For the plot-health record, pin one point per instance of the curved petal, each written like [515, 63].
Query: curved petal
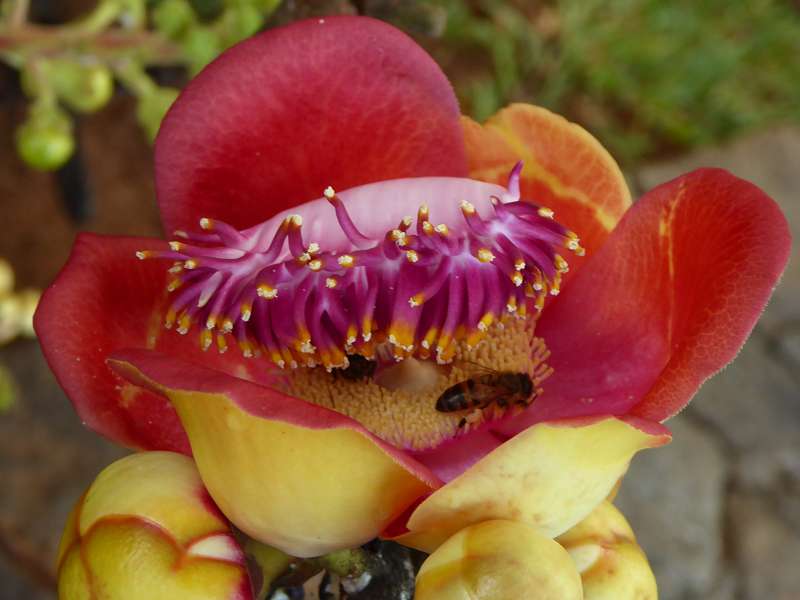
[104, 299]
[497, 560]
[666, 302]
[291, 474]
[611, 563]
[550, 476]
[566, 169]
[272, 122]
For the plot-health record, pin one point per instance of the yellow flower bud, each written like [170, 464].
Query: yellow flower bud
[146, 528]
[611, 563]
[498, 560]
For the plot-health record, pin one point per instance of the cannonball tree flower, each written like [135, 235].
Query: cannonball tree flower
[353, 264]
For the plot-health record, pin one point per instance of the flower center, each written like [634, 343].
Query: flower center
[418, 289]
[425, 404]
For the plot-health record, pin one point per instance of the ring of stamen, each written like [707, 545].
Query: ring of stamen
[421, 290]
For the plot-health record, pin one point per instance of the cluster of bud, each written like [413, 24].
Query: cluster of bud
[72, 66]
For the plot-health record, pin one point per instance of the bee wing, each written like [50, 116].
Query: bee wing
[484, 368]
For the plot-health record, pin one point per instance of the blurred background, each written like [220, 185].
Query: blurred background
[666, 86]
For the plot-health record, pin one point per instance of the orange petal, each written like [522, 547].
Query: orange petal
[293, 475]
[498, 560]
[611, 563]
[550, 476]
[566, 169]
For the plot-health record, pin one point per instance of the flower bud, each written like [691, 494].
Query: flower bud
[173, 17]
[6, 277]
[611, 563]
[201, 45]
[44, 140]
[152, 107]
[498, 560]
[83, 87]
[146, 528]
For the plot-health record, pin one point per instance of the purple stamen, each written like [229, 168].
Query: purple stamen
[416, 290]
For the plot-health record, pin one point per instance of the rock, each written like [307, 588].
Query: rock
[14, 585]
[48, 460]
[766, 550]
[673, 498]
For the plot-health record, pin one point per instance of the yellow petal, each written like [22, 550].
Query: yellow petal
[294, 476]
[498, 560]
[146, 529]
[550, 476]
[611, 563]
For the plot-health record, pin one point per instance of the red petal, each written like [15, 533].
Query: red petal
[103, 300]
[338, 101]
[666, 302]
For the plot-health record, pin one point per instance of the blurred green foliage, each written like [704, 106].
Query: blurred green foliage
[646, 76]
[73, 65]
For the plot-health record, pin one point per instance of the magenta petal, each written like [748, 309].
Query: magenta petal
[272, 122]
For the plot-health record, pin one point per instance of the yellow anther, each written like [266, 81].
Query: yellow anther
[399, 237]
[545, 212]
[205, 339]
[467, 208]
[184, 323]
[175, 246]
[346, 260]
[486, 321]
[580, 251]
[266, 291]
[331, 282]
[295, 220]
[246, 311]
[485, 255]
[511, 305]
[561, 264]
[206, 223]
[442, 228]
[304, 257]
[416, 300]
[427, 227]
[222, 345]
[422, 213]
[313, 248]
[227, 325]
[143, 254]
[315, 265]
[539, 303]
[180, 233]
[176, 268]
[407, 221]
[190, 264]
[246, 348]
[211, 321]
[174, 284]
[517, 278]
[169, 319]
[329, 193]
[519, 264]
[412, 256]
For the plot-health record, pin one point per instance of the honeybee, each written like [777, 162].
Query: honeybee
[502, 388]
[359, 367]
